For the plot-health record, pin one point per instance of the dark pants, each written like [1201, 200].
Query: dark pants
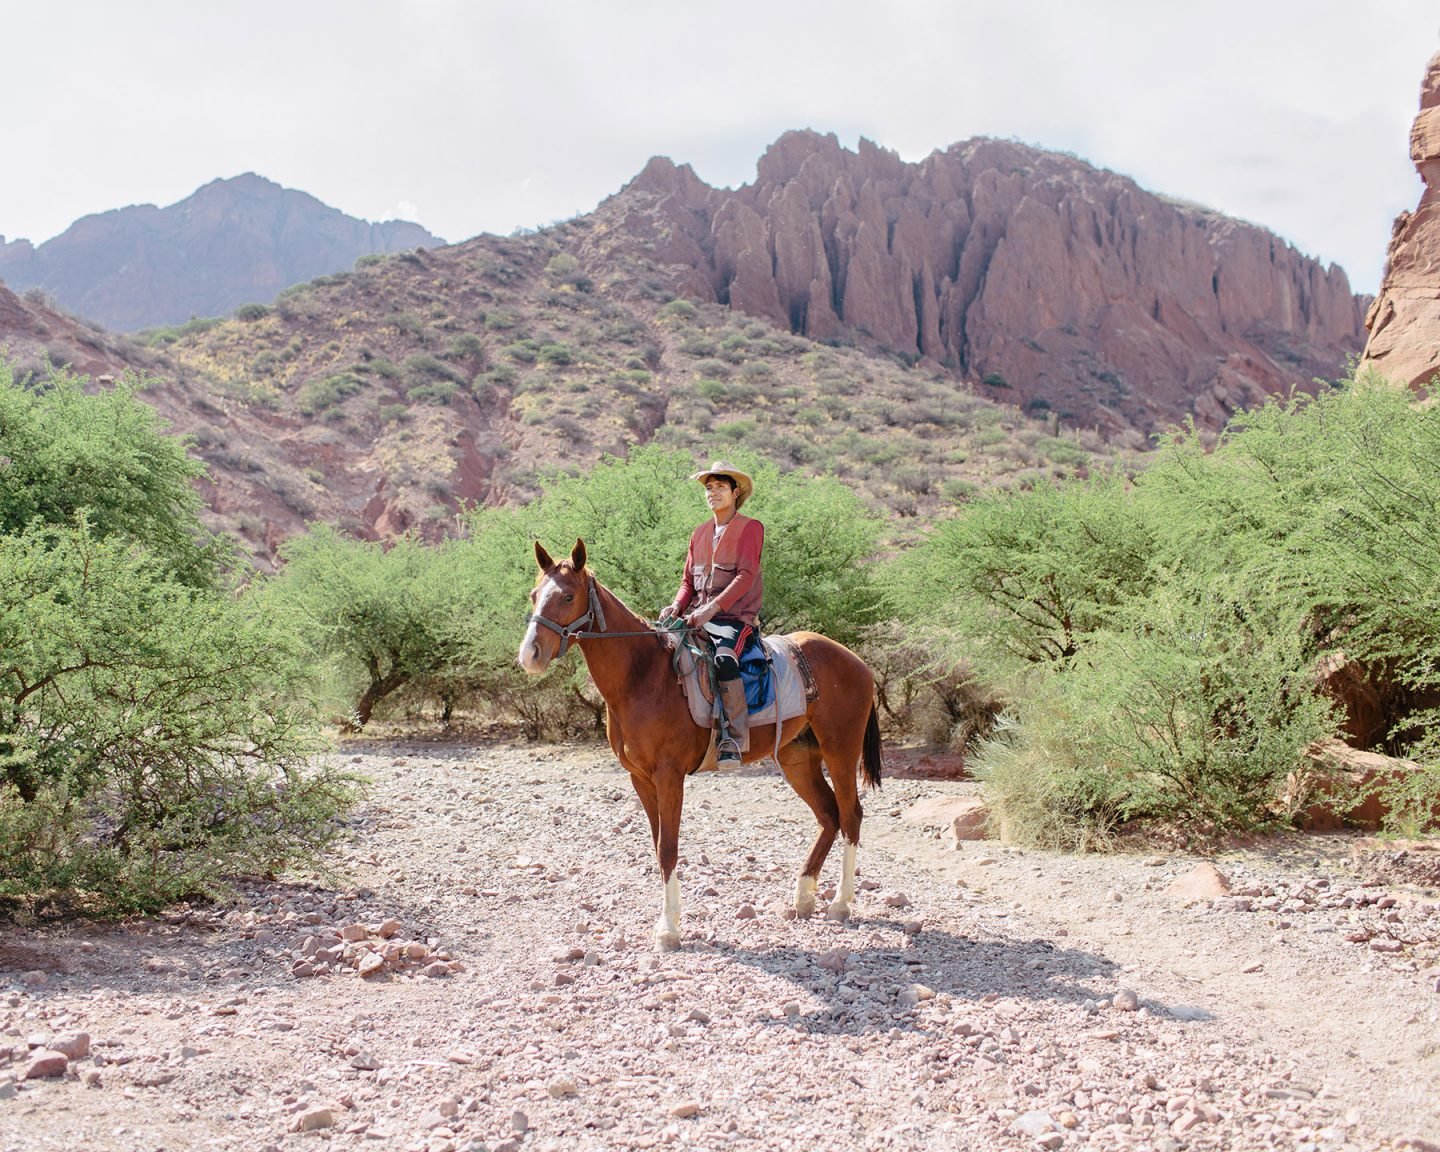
[728, 636]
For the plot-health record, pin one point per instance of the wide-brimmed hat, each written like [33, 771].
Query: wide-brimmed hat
[743, 484]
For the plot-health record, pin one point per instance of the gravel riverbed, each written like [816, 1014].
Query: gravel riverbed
[479, 974]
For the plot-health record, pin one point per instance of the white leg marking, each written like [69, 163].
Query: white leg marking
[805, 897]
[667, 929]
[840, 907]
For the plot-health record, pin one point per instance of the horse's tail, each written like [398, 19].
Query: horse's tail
[871, 758]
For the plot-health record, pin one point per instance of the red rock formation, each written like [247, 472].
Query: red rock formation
[1049, 282]
[1404, 321]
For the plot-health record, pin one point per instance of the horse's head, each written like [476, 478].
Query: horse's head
[560, 606]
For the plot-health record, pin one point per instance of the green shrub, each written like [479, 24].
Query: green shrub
[316, 396]
[466, 346]
[436, 392]
[678, 311]
[153, 740]
[252, 312]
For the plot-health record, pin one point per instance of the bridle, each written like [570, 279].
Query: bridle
[577, 630]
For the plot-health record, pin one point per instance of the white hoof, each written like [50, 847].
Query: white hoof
[804, 898]
[838, 911]
[666, 940]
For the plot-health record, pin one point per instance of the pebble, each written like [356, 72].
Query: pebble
[313, 1119]
[44, 1064]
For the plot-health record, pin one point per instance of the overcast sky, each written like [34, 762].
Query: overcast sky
[474, 116]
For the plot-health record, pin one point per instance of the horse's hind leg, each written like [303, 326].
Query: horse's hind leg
[801, 763]
[841, 750]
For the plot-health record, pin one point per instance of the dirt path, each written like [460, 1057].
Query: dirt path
[502, 898]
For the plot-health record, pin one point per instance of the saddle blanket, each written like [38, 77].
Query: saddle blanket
[793, 688]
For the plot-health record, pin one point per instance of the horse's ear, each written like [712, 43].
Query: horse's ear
[542, 557]
[577, 555]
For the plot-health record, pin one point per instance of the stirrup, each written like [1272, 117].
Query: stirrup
[728, 754]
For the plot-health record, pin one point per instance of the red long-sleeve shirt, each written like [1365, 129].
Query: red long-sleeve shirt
[727, 571]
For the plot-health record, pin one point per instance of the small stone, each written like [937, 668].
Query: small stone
[371, 964]
[354, 933]
[75, 1045]
[313, 1119]
[388, 929]
[34, 978]
[92, 1079]
[897, 900]
[1125, 1000]
[1035, 1123]
[519, 1122]
[915, 994]
[436, 969]
[699, 1016]
[745, 912]
[44, 1064]
[685, 1109]
[364, 1061]
[561, 1087]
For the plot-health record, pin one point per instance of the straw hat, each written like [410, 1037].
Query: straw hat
[743, 484]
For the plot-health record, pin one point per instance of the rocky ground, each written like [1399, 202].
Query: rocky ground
[479, 974]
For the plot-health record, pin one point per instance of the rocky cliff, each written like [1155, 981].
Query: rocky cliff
[1049, 283]
[233, 242]
[1404, 321]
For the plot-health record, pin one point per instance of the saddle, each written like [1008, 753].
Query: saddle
[778, 683]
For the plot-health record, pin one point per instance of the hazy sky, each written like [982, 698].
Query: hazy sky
[472, 116]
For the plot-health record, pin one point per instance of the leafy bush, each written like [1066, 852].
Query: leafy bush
[436, 392]
[63, 452]
[1176, 627]
[316, 396]
[1027, 575]
[374, 618]
[151, 739]
[678, 311]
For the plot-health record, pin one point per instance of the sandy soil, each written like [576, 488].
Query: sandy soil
[500, 901]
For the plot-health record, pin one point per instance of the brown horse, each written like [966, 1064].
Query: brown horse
[657, 742]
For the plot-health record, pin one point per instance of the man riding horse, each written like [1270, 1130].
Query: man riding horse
[722, 589]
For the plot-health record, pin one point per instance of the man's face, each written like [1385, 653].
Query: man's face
[719, 495]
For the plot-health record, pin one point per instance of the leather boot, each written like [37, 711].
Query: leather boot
[736, 736]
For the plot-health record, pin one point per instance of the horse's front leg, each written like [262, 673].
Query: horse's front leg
[669, 796]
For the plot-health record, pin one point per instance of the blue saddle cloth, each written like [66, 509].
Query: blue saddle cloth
[755, 673]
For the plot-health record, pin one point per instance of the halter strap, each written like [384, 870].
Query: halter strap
[577, 629]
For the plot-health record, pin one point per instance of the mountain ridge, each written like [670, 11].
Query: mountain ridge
[233, 241]
[1002, 261]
